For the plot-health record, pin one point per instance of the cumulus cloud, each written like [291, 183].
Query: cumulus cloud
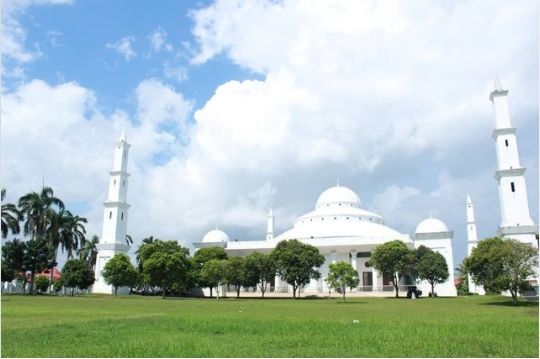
[124, 47]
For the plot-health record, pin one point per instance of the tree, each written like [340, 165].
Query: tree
[76, 274]
[36, 259]
[42, 283]
[13, 253]
[432, 267]
[213, 274]
[296, 262]
[235, 273]
[57, 285]
[37, 209]
[260, 269]
[8, 274]
[119, 272]
[342, 275]
[88, 252]
[392, 259]
[502, 264]
[201, 257]
[165, 268]
[10, 217]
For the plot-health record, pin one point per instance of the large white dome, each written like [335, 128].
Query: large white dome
[215, 236]
[431, 225]
[338, 195]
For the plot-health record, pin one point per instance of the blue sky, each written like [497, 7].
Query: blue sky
[234, 107]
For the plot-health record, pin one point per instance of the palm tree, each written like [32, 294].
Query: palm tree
[88, 252]
[10, 217]
[38, 208]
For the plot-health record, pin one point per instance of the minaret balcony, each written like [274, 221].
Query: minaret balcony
[511, 172]
[503, 131]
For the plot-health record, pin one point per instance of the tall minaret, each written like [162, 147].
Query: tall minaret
[472, 241]
[270, 226]
[515, 219]
[115, 215]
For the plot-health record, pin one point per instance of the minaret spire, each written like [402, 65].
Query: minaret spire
[113, 239]
[513, 200]
[472, 241]
[270, 226]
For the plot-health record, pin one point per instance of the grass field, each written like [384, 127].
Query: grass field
[102, 326]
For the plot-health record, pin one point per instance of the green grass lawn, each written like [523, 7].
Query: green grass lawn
[102, 326]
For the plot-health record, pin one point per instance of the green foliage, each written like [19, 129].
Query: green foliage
[502, 264]
[57, 285]
[11, 217]
[13, 253]
[213, 273]
[235, 273]
[119, 272]
[342, 276]
[164, 268]
[76, 274]
[205, 254]
[201, 257]
[260, 270]
[142, 326]
[431, 266]
[42, 283]
[296, 262]
[36, 258]
[8, 274]
[393, 259]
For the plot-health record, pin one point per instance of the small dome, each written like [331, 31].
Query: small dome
[215, 236]
[338, 195]
[431, 225]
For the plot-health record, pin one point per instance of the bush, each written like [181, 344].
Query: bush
[42, 283]
[57, 285]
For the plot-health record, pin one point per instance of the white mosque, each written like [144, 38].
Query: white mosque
[344, 231]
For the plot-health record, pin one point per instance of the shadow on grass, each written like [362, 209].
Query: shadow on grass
[509, 303]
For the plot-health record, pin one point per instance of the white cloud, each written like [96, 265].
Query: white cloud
[158, 41]
[14, 47]
[124, 47]
[177, 73]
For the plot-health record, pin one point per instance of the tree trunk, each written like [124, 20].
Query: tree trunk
[72, 291]
[396, 287]
[237, 291]
[344, 294]
[32, 274]
[115, 291]
[514, 296]
[211, 291]
[163, 289]
[432, 290]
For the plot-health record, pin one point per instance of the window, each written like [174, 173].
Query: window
[114, 182]
[123, 182]
[110, 214]
[363, 254]
[122, 216]
[512, 186]
[506, 143]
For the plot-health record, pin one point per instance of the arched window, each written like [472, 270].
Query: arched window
[122, 216]
[110, 214]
